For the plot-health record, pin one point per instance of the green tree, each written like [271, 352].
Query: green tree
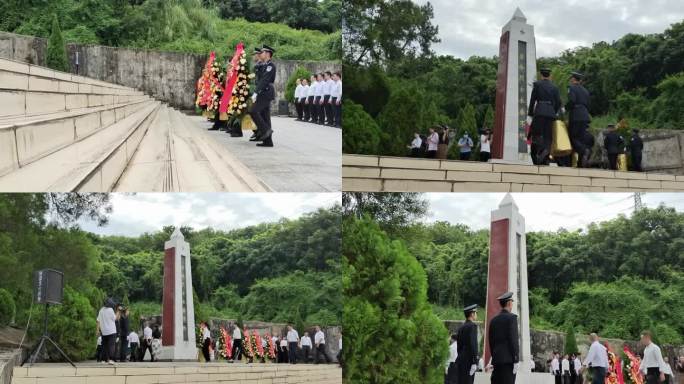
[488, 121]
[361, 133]
[386, 313]
[465, 123]
[56, 52]
[7, 307]
[291, 85]
[570, 347]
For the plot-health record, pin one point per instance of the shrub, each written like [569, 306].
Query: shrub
[299, 73]
[361, 133]
[56, 50]
[7, 307]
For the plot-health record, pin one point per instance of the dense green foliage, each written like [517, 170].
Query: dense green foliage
[388, 51]
[299, 73]
[184, 25]
[282, 271]
[361, 133]
[570, 346]
[630, 267]
[387, 318]
[7, 307]
[56, 50]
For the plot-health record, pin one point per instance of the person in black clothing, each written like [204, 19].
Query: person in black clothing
[612, 143]
[578, 109]
[636, 147]
[265, 93]
[466, 337]
[545, 103]
[503, 342]
[124, 330]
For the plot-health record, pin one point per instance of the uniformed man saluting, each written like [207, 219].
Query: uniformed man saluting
[578, 109]
[503, 342]
[466, 337]
[545, 103]
[265, 93]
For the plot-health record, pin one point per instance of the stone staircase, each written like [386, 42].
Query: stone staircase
[164, 372]
[62, 132]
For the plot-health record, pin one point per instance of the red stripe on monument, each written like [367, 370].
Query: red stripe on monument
[500, 110]
[497, 276]
[169, 299]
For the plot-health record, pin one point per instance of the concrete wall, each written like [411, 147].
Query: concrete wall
[401, 174]
[663, 151]
[168, 76]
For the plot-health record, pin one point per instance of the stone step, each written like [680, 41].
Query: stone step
[25, 140]
[93, 163]
[220, 372]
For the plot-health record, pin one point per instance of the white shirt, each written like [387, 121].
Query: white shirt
[319, 338]
[107, 320]
[133, 338]
[485, 145]
[283, 343]
[339, 343]
[554, 365]
[306, 341]
[206, 334]
[337, 89]
[304, 92]
[328, 87]
[597, 356]
[274, 339]
[292, 336]
[653, 358]
[311, 90]
[147, 333]
[416, 143]
[566, 366]
[236, 333]
[319, 88]
[578, 364]
[298, 92]
[453, 354]
[433, 141]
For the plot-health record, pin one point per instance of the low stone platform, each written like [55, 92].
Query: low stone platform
[400, 174]
[177, 372]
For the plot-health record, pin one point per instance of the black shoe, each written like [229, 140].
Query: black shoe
[266, 135]
[585, 159]
[265, 144]
[214, 128]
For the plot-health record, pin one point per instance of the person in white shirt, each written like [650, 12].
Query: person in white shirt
[319, 341]
[306, 346]
[297, 97]
[106, 326]
[133, 344]
[303, 94]
[486, 145]
[146, 343]
[565, 369]
[652, 365]
[555, 368]
[336, 100]
[451, 370]
[433, 142]
[293, 342]
[310, 115]
[597, 359]
[577, 363]
[415, 145]
[237, 343]
[327, 95]
[320, 93]
[284, 353]
[206, 341]
[98, 351]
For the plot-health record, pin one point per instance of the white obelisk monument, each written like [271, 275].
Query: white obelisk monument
[516, 74]
[178, 319]
[507, 272]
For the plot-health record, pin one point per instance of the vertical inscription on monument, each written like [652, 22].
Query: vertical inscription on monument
[522, 96]
[518, 258]
[184, 299]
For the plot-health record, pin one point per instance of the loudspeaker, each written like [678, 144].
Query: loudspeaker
[48, 286]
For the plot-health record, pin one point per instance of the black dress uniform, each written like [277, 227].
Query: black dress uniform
[257, 74]
[504, 344]
[578, 110]
[612, 143]
[545, 103]
[636, 147]
[466, 337]
[261, 110]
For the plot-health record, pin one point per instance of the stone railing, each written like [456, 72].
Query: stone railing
[400, 174]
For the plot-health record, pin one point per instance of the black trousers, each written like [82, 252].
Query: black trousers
[307, 352]
[134, 351]
[261, 114]
[98, 353]
[318, 108]
[503, 374]
[451, 376]
[485, 156]
[463, 373]
[464, 156]
[320, 350]
[541, 136]
[338, 114]
[292, 352]
[123, 346]
[557, 378]
[311, 109]
[612, 161]
[237, 349]
[598, 375]
[205, 349]
[327, 107]
[652, 376]
[580, 138]
[300, 109]
[144, 346]
[636, 161]
[108, 347]
[333, 109]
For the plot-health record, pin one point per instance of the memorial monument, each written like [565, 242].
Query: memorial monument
[515, 76]
[178, 313]
[507, 272]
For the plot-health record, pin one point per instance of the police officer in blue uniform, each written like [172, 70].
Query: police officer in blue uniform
[545, 103]
[466, 338]
[503, 342]
[265, 94]
[578, 109]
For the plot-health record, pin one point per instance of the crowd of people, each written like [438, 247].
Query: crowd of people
[117, 342]
[436, 144]
[318, 100]
[600, 364]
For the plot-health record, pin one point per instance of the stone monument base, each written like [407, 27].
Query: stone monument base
[178, 353]
[520, 378]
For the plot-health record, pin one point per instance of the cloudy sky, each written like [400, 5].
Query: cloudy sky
[543, 211]
[149, 212]
[473, 27]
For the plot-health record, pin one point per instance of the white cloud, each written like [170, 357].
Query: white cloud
[468, 27]
[543, 211]
[133, 214]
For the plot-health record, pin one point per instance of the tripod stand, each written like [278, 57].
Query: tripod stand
[35, 352]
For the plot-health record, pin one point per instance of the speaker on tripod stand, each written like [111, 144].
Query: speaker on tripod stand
[48, 289]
